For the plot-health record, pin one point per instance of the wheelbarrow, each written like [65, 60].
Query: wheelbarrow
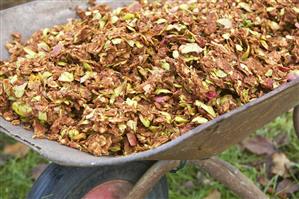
[140, 174]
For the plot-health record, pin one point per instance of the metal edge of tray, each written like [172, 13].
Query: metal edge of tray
[180, 148]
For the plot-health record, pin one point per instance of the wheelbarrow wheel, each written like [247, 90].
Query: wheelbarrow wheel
[107, 182]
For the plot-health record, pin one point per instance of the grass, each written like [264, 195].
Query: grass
[16, 180]
[240, 159]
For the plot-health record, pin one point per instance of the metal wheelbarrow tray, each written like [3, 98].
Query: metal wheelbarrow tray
[201, 142]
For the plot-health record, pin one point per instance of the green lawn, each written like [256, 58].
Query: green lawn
[188, 183]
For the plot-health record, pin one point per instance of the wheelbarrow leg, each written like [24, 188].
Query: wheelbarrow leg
[296, 120]
[231, 177]
[151, 177]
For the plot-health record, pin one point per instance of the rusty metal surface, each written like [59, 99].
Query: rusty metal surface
[201, 142]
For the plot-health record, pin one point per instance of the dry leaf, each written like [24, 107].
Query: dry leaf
[259, 145]
[215, 194]
[262, 180]
[280, 164]
[38, 170]
[200, 175]
[202, 179]
[282, 139]
[189, 184]
[286, 187]
[17, 149]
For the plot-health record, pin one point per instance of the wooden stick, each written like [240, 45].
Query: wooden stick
[151, 177]
[231, 177]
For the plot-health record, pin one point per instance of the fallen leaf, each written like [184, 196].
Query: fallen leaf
[18, 149]
[262, 180]
[189, 184]
[270, 190]
[200, 176]
[282, 139]
[259, 145]
[38, 170]
[280, 164]
[215, 194]
[268, 166]
[202, 179]
[286, 187]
